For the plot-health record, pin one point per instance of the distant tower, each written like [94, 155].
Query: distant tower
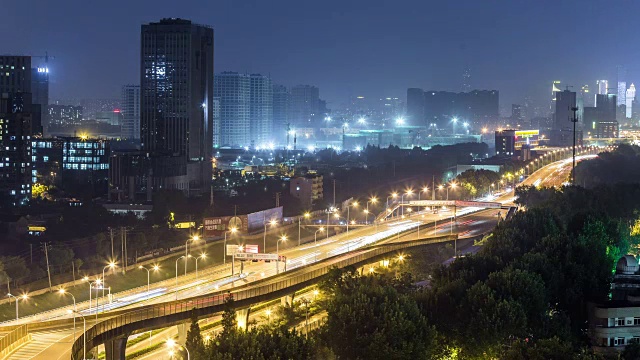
[622, 85]
[466, 79]
[603, 86]
[630, 99]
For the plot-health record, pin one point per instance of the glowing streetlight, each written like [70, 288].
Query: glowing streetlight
[154, 268]
[21, 297]
[172, 344]
[316, 235]
[283, 238]
[232, 231]
[400, 121]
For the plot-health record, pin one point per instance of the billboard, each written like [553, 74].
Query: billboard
[250, 256]
[252, 249]
[217, 226]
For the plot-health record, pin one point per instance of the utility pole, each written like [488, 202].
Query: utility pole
[125, 251]
[111, 234]
[574, 121]
[277, 199]
[334, 192]
[46, 255]
[122, 248]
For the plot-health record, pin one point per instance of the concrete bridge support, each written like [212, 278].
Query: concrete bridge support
[182, 333]
[115, 349]
[242, 318]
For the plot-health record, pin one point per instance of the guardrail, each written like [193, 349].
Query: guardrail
[13, 339]
[167, 314]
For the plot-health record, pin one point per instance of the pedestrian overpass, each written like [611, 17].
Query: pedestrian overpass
[396, 208]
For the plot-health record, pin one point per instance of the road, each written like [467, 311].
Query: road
[52, 344]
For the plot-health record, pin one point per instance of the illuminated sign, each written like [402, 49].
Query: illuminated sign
[251, 256]
[527, 133]
[185, 225]
[43, 70]
[37, 228]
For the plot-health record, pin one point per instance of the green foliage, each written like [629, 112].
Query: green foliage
[477, 182]
[631, 351]
[194, 342]
[619, 166]
[369, 318]
[15, 268]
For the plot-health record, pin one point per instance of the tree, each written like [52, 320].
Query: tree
[631, 351]
[194, 342]
[15, 267]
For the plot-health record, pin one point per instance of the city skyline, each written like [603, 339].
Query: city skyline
[338, 48]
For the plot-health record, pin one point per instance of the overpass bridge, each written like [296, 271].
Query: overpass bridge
[113, 332]
[395, 207]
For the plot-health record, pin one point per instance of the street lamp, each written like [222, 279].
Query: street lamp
[111, 265]
[454, 121]
[23, 297]
[64, 292]
[202, 256]
[306, 216]
[424, 190]
[409, 192]
[155, 268]
[393, 195]
[232, 231]
[178, 259]
[172, 343]
[316, 235]
[452, 186]
[91, 285]
[373, 200]
[354, 204]
[84, 334]
[272, 223]
[186, 249]
[283, 238]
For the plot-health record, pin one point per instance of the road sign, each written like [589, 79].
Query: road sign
[253, 249]
[232, 249]
[251, 256]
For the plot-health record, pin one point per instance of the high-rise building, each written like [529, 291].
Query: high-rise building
[90, 107]
[261, 109]
[516, 114]
[176, 102]
[64, 115]
[603, 87]
[216, 122]
[585, 95]
[476, 107]
[40, 99]
[562, 129]
[280, 112]
[630, 99]
[304, 110]
[466, 79]
[234, 91]
[15, 130]
[622, 85]
[130, 110]
[603, 122]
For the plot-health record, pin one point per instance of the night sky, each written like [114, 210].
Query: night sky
[347, 48]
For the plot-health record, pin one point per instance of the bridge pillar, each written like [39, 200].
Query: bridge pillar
[242, 318]
[182, 333]
[287, 300]
[115, 349]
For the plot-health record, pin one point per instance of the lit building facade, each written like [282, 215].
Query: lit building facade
[234, 91]
[64, 114]
[176, 102]
[304, 110]
[40, 99]
[130, 110]
[280, 112]
[308, 189]
[630, 99]
[260, 109]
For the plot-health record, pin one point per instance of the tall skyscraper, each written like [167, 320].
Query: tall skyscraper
[40, 99]
[305, 106]
[603, 89]
[622, 85]
[280, 112]
[565, 101]
[466, 79]
[130, 110]
[630, 99]
[261, 109]
[176, 102]
[234, 91]
[216, 121]
[416, 107]
[606, 125]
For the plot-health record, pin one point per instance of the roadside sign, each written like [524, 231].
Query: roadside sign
[232, 249]
[251, 256]
[253, 249]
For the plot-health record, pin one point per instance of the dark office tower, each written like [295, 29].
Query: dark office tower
[466, 80]
[416, 107]
[130, 111]
[280, 112]
[304, 110]
[516, 114]
[261, 109]
[176, 101]
[40, 99]
[234, 91]
[565, 101]
[605, 125]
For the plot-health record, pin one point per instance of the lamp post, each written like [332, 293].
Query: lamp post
[97, 282]
[155, 268]
[264, 240]
[64, 292]
[202, 256]
[409, 192]
[316, 235]
[373, 200]
[424, 190]
[452, 185]
[23, 297]
[454, 121]
[329, 212]
[283, 238]
[171, 344]
[111, 265]
[305, 216]
[84, 334]
[393, 196]
[186, 249]
[354, 204]
[178, 259]
[232, 231]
